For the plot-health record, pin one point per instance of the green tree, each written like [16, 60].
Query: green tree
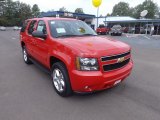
[137, 11]
[14, 13]
[79, 10]
[25, 11]
[63, 9]
[121, 9]
[146, 5]
[158, 13]
[8, 9]
[108, 14]
[2, 4]
[35, 10]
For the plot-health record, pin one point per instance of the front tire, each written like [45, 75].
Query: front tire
[60, 79]
[26, 56]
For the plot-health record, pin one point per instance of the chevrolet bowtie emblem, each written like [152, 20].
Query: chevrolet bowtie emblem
[120, 60]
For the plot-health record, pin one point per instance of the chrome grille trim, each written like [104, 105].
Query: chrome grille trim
[119, 65]
[113, 57]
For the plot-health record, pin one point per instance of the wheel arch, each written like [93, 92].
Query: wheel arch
[22, 44]
[54, 59]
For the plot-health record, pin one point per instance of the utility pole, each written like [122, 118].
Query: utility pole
[97, 16]
[97, 3]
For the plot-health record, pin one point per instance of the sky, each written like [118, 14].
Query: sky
[71, 5]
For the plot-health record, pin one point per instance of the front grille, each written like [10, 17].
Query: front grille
[115, 56]
[115, 66]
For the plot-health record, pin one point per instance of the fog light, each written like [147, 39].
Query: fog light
[86, 87]
[117, 82]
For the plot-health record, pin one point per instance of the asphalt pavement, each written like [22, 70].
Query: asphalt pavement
[26, 92]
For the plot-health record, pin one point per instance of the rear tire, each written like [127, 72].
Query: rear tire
[26, 56]
[60, 79]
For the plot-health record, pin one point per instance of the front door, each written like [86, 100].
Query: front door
[42, 45]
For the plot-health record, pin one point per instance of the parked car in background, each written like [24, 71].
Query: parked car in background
[142, 30]
[102, 29]
[148, 28]
[2, 28]
[15, 28]
[131, 30]
[125, 29]
[116, 30]
[19, 28]
[77, 59]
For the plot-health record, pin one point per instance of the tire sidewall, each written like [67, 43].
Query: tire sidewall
[67, 90]
[28, 60]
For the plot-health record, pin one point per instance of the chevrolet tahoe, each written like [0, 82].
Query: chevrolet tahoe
[76, 57]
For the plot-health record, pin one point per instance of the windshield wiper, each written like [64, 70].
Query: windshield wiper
[88, 35]
[67, 36]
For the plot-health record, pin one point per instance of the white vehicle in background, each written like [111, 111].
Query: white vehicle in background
[116, 30]
[15, 28]
[19, 28]
[2, 28]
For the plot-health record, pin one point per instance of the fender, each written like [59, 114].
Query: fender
[65, 58]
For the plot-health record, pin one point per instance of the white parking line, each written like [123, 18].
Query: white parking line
[131, 35]
[147, 37]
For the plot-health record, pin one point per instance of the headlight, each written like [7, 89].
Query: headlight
[87, 64]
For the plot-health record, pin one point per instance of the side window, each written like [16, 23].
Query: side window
[24, 26]
[31, 27]
[42, 27]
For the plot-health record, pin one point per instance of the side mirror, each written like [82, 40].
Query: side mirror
[39, 34]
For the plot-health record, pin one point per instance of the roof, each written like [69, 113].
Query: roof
[51, 18]
[120, 18]
[127, 19]
[67, 14]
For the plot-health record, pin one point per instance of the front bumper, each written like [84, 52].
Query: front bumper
[117, 32]
[82, 81]
[100, 32]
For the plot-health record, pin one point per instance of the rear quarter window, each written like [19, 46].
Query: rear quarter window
[24, 26]
[32, 26]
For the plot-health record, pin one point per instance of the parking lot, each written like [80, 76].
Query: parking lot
[26, 92]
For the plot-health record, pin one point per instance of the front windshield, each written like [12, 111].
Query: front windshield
[116, 26]
[68, 28]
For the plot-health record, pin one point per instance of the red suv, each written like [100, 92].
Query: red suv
[77, 59]
[102, 30]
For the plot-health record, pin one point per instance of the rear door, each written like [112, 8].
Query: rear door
[42, 45]
[23, 32]
[30, 40]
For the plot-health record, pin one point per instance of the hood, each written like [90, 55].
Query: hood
[95, 45]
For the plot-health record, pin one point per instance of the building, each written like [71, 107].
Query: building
[139, 26]
[84, 17]
[107, 20]
[133, 25]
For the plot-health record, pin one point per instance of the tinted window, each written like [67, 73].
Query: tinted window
[101, 26]
[42, 27]
[116, 26]
[31, 27]
[24, 26]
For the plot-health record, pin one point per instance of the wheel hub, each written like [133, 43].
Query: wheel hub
[58, 80]
[25, 55]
